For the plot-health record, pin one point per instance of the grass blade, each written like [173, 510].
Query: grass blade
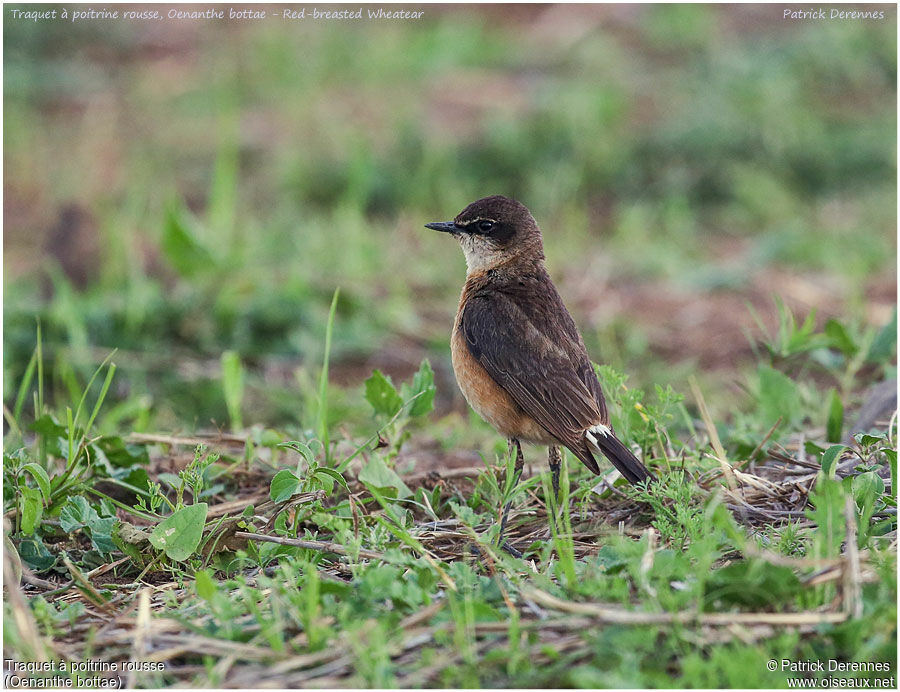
[40, 368]
[322, 418]
[88, 389]
[233, 387]
[100, 398]
[24, 386]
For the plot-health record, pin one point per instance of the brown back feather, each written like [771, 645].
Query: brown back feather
[516, 326]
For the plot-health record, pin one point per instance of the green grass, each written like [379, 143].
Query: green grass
[322, 579]
[718, 197]
[264, 172]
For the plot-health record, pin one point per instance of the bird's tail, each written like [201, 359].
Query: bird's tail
[602, 440]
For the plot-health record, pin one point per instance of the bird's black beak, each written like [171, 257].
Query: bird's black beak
[444, 226]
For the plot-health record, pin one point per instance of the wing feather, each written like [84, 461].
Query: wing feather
[523, 336]
[537, 356]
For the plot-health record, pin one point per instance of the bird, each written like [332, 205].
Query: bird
[517, 354]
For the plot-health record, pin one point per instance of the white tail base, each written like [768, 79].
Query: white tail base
[599, 429]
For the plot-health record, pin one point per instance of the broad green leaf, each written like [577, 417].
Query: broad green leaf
[138, 478]
[204, 584]
[839, 338]
[867, 487]
[120, 454]
[101, 533]
[32, 509]
[334, 475]
[835, 421]
[422, 388]
[180, 245]
[284, 484]
[866, 440]
[812, 448]
[610, 559]
[301, 448]
[179, 534]
[107, 508]
[829, 458]
[76, 513]
[41, 478]
[380, 393]
[778, 396]
[885, 343]
[35, 554]
[47, 425]
[376, 473]
[280, 525]
[324, 480]
[233, 386]
[436, 497]
[826, 509]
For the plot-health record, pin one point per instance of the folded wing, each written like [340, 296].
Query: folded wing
[535, 358]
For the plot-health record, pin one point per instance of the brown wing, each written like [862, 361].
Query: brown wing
[538, 298]
[532, 349]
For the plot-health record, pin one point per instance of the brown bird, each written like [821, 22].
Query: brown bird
[517, 354]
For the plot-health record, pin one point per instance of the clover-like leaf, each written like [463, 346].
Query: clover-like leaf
[178, 535]
[422, 388]
[284, 484]
[382, 395]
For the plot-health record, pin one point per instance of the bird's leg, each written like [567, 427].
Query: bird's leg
[555, 459]
[555, 465]
[520, 463]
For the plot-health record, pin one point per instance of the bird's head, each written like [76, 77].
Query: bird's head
[493, 231]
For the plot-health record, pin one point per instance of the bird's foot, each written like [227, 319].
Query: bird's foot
[476, 551]
[506, 547]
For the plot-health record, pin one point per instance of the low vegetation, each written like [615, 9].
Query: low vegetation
[221, 470]
[296, 562]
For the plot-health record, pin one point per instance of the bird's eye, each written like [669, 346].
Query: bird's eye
[485, 226]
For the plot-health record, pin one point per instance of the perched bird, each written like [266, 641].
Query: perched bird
[517, 354]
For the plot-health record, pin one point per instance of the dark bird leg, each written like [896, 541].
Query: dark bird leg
[555, 465]
[555, 458]
[520, 464]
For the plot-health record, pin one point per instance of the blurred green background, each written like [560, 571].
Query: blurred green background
[174, 189]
